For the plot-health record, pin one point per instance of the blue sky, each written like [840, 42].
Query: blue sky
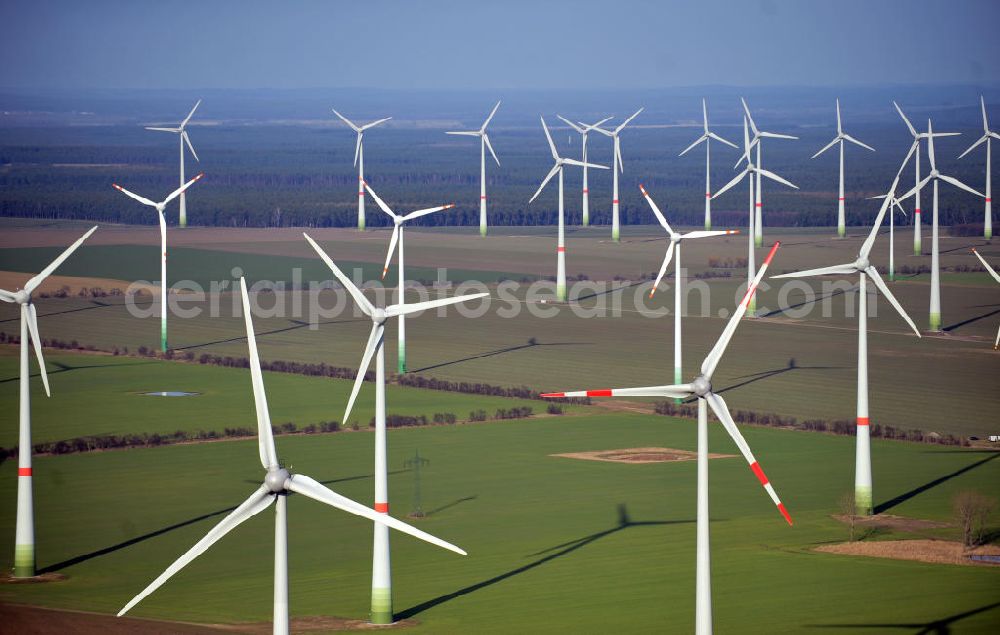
[502, 44]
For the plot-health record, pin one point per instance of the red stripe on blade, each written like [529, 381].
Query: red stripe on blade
[759, 473]
[784, 512]
[598, 393]
[24, 471]
[553, 394]
[382, 508]
[770, 254]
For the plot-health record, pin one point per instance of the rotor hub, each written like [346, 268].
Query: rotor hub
[701, 386]
[861, 264]
[22, 296]
[675, 238]
[379, 316]
[276, 479]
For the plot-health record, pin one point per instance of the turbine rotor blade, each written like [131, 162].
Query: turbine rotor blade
[141, 199]
[992, 271]
[302, 484]
[721, 410]
[375, 123]
[38, 278]
[190, 114]
[693, 145]
[346, 120]
[392, 248]
[877, 279]
[975, 145]
[374, 341]
[357, 148]
[265, 436]
[380, 202]
[858, 143]
[417, 307]
[581, 164]
[827, 146]
[721, 140]
[552, 145]
[570, 124]
[37, 344]
[663, 268]
[913, 131]
[775, 177]
[178, 191]
[425, 212]
[676, 391]
[775, 135]
[490, 118]
[840, 129]
[821, 271]
[545, 181]
[256, 503]
[715, 355]
[731, 184]
[622, 125]
[709, 233]
[959, 184]
[489, 146]
[355, 292]
[656, 210]
[187, 140]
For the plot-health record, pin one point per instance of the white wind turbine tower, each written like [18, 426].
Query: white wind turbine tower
[359, 160]
[701, 388]
[278, 484]
[840, 139]
[183, 138]
[996, 276]
[614, 134]
[758, 225]
[864, 270]
[915, 149]
[749, 170]
[24, 532]
[706, 137]
[159, 207]
[484, 143]
[397, 238]
[892, 226]
[561, 243]
[584, 130]
[381, 609]
[988, 136]
[675, 248]
[935, 306]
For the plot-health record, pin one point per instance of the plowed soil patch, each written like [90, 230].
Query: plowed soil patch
[639, 455]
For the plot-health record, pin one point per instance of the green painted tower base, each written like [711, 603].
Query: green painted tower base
[841, 231]
[24, 561]
[758, 241]
[863, 501]
[561, 292]
[935, 321]
[163, 337]
[401, 365]
[381, 606]
[616, 235]
[482, 231]
[917, 251]
[677, 380]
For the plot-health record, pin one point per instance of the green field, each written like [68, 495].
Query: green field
[105, 395]
[548, 548]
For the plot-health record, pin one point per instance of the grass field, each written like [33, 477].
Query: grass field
[105, 396]
[549, 548]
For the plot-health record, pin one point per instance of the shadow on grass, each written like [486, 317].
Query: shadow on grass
[500, 351]
[889, 504]
[942, 626]
[96, 305]
[767, 374]
[58, 566]
[296, 324]
[814, 300]
[956, 325]
[65, 368]
[438, 510]
[558, 551]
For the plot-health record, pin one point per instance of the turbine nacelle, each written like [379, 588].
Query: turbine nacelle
[701, 386]
[861, 263]
[276, 480]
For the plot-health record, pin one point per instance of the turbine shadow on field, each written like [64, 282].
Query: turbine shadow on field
[65, 368]
[942, 626]
[500, 351]
[596, 294]
[889, 504]
[438, 510]
[767, 374]
[159, 532]
[97, 305]
[952, 327]
[296, 324]
[814, 300]
[558, 551]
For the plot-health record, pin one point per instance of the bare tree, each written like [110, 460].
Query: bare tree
[848, 511]
[972, 509]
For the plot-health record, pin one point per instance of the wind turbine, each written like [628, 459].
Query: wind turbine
[864, 270]
[749, 170]
[278, 484]
[993, 272]
[935, 308]
[359, 160]
[24, 533]
[561, 244]
[758, 226]
[183, 138]
[381, 609]
[614, 134]
[988, 136]
[701, 387]
[892, 225]
[397, 237]
[484, 143]
[584, 130]
[163, 247]
[840, 139]
[675, 247]
[706, 137]
[915, 148]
